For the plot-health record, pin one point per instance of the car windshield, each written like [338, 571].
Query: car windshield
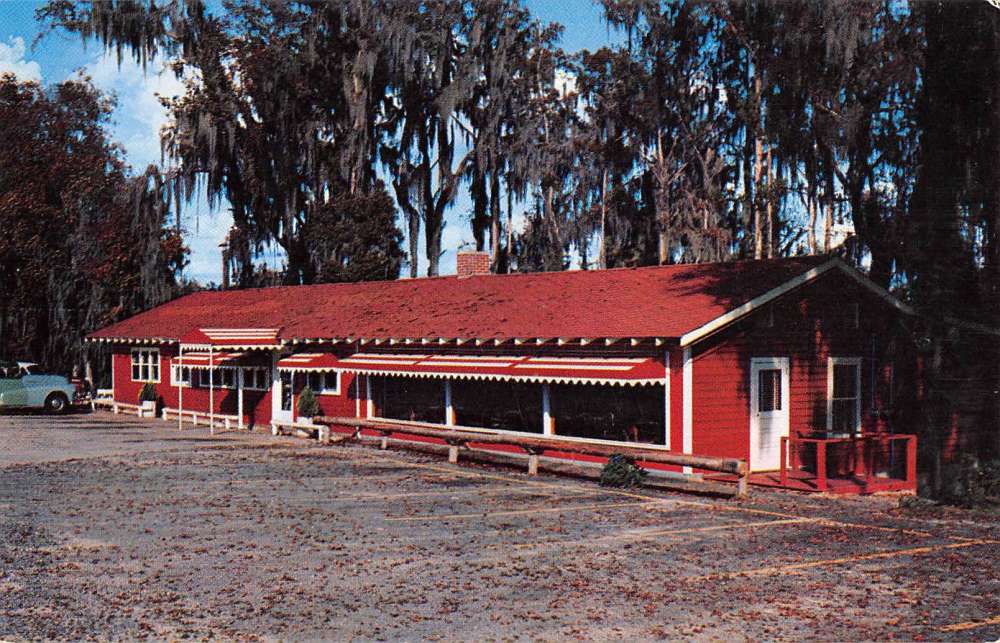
[9, 371]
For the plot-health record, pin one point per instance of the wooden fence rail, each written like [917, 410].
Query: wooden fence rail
[534, 446]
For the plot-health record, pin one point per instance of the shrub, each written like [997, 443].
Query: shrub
[148, 393]
[308, 405]
[976, 485]
[622, 471]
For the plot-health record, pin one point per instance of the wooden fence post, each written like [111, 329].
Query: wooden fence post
[821, 465]
[911, 462]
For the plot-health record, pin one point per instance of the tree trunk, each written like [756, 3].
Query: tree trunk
[758, 224]
[413, 219]
[828, 217]
[770, 240]
[811, 206]
[602, 253]
[495, 227]
[479, 204]
[508, 247]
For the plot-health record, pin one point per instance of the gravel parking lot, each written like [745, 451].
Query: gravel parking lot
[115, 528]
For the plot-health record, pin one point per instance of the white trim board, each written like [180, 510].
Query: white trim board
[810, 275]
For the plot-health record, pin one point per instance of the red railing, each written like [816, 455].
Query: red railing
[864, 457]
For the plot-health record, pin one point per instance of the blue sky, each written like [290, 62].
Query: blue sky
[139, 116]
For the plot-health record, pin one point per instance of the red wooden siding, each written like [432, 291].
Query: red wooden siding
[809, 326]
[342, 404]
[256, 404]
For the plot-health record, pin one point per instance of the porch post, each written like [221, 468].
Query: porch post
[911, 462]
[239, 397]
[784, 461]
[688, 404]
[211, 391]
[369, 410]
[449, 409]
[821, 465]
[666, 397]
[548, 427]
[180, 387]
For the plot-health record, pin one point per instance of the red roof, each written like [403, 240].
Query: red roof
[206, 359]
[661, 301]
[565, 370]
[233, 337]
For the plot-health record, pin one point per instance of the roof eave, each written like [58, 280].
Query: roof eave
[806, 277]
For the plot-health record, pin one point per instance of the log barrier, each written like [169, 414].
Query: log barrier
[535, 446]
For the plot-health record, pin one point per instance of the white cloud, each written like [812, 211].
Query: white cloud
[12, 60]
[140, 115]
[136, 126]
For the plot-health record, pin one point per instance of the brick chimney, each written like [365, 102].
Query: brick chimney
[472, 263]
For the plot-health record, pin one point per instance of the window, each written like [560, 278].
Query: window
[256, 378]
[769, 390]
[844, 395]
[146, 365]
[225, 378]
[510, 406]
[180, 375]
[324, 383]
[604, 412]
[408, 398]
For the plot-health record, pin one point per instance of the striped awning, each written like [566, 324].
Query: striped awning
[309, 362]
[626, 371]
[240, 338]
[202, 359]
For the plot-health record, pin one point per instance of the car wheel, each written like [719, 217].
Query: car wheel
[56, 403]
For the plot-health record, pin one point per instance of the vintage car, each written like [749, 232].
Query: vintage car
[23, 385]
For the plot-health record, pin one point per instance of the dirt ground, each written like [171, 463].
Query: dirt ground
[115, 528]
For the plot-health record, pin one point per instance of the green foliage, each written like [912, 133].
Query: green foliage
[308, 405]
[148, 393]
[622, 471]
[355, 238]
[83, 243]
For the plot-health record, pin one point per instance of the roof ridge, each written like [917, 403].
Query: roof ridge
[819, 258]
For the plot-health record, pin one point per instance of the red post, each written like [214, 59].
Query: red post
[821, 465]
[859, 455]
[875, 448]
[911, 462]
[784, 461]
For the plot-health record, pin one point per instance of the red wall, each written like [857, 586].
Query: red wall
[809, 326]
[343, 404]
[256, 404]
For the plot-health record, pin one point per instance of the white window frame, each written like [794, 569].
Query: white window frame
[256, 378]
[152, 362]
[220, 381]
[833, 362]
[178, 382]
[325, 375]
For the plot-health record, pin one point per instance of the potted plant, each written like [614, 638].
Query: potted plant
[147, 400]
[308, 405]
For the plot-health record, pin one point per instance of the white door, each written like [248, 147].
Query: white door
[768, 411]
[281, 396]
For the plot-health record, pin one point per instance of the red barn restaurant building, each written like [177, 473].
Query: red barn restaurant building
[785, 361]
